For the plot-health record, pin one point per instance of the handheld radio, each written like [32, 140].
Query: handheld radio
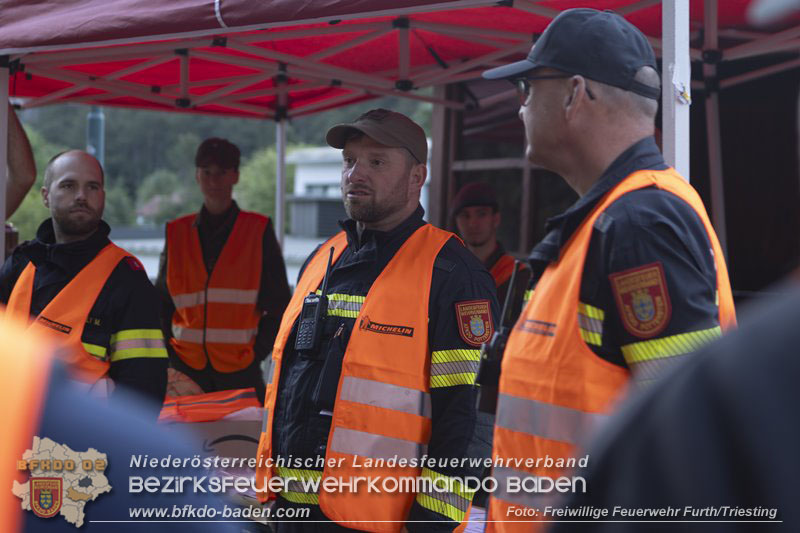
[312, 317]
[492, 352]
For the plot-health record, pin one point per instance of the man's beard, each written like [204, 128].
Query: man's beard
[477, 242]
[76, 227]
[368, 212]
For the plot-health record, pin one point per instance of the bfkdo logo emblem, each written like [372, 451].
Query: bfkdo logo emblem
[643, 299]
[475, 321]
[46, 496]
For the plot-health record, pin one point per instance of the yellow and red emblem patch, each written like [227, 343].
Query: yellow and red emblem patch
[642, 299]
[46, 496]
[475, 323]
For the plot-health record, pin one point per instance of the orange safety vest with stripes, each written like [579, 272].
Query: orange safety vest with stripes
[207, 407]
[216, 318]
[65, 316]
[24, 370]
[382, 407]
[553, 388]
[502, 269]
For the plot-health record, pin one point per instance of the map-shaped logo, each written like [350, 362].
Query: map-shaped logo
[62, 480]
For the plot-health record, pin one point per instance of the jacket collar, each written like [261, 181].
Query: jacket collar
[71, 256]
[643, 154]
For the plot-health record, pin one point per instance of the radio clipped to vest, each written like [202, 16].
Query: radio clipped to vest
[312, 318]
[492, 352]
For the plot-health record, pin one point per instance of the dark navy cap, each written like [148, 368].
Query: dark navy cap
[216, 151]
[474, 195]
[599, 45]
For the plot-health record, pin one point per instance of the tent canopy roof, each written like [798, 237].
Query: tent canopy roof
[279, 58]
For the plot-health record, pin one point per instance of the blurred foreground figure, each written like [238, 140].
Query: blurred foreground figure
[721, 431]
[44, 411]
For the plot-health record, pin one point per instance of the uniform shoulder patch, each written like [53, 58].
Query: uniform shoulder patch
[642, 299]
[133, 263]
[474, 320]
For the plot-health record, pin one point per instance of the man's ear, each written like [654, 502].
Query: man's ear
[45, 197]
[418, 174]
[574, 98]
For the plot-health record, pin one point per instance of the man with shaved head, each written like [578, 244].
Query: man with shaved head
[91, 296]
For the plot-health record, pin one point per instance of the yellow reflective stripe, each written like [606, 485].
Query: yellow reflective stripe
[341, 297]
[669, 346]
[95, 350]
[133, 343]
[439, 507]
[295, 490]
[591, 337]
[129, 334]
[527, 296]
[347, 298]
[591, 311]
[454, 367]
[451, 356]
[132, 353]
[451, 482]
[300, 497]
[298, 473]
[451, 380]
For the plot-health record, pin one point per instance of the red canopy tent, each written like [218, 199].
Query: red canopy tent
[280, 59]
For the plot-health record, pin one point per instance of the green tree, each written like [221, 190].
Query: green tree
[256, 188]
[164, 195]
[119, 210]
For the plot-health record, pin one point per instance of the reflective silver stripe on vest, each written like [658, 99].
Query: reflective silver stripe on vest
[232, 296]
[223, 296]
[223, 336]
[395, 397]
[522, 497]
[344, 305]
[590, 324]
[455, 367]
[354, 442]
[265, 420]
[191, 299]
[544, 420]
[137, 343]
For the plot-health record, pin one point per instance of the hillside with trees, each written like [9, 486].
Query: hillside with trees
[149, 156]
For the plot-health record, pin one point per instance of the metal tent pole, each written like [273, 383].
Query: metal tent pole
[711, 56]
[676, 76]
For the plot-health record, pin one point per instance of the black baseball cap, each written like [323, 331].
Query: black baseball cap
[216, 151]
[599, 45]
[389, 128]
[476, 194]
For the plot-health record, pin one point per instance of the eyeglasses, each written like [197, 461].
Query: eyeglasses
[524, 86]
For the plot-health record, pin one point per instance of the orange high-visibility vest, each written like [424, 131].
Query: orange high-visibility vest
[382, 406]
[207, 407]
[553, 388]
[24, 371]
[501, 271]
[65, 316]
[216, 318]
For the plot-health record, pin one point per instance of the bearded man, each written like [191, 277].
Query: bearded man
[91, 297]
[391, 375]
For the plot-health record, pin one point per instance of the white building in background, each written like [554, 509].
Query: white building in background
[315, 208]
